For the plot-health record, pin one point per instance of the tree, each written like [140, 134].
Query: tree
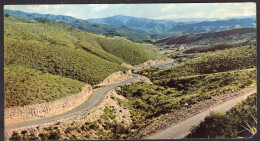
[7, 15]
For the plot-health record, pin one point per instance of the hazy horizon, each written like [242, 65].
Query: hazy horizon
[163, 12]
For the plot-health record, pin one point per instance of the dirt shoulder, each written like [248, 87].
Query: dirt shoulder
[183, 114]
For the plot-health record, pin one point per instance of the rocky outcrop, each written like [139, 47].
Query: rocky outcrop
[116, 77]
[31, 112]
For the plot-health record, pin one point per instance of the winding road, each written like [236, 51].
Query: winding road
[182, 129]
[92, 102]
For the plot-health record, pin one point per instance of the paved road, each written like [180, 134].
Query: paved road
[181, 129]
[92, 102]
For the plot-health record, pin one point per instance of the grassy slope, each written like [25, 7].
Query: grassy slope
[59, 51]
[65, 35]
[218, 61]
[62, 50]
[25, 86]
[128, 51]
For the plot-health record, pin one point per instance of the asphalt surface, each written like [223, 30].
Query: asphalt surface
[182, 129]
[92, 102]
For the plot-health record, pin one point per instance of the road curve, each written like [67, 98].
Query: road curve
[182, 129]
[92, 102]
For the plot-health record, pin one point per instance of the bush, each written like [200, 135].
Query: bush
[7, 15]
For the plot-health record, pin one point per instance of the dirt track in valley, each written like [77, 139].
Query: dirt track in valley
[177, 124]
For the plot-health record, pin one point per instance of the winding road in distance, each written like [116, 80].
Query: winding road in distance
[92, 102]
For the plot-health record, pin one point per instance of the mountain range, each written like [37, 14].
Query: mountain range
[148, 25]
[86, 25]
[139, 29]
[168, 26]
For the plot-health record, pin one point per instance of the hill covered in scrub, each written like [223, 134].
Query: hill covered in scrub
[24, 86]
[209, 37]
[211, 74]
[60, 51]
[219, 61]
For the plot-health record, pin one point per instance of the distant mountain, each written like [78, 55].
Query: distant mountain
[140, 29]
[148, 25]
[192, 25]
[86, 25]
[218, 25]
[192, 20]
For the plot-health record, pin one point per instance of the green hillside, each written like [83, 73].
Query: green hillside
[46, 60]
[218, 61]
[185, 84]
[62, 50]
[24, 86]
[128, 51]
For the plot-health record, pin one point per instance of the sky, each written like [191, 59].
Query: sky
[149, 11]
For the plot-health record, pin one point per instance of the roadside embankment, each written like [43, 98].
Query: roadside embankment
[19, 114]
[90, 115]
[32, 112]
[115, 78]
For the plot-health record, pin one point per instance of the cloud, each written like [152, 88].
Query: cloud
[188, 15]
[44, 6]
[152, 11]
[99, 7]
[233, 11]
[168, 7]
[169, 16]
[199, 15]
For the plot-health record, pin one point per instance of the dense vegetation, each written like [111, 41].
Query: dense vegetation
[59, 49]
[232, 124]
[218, 61]
[128, 51]
[208, 75]
[24, 86]
[147, 102]
[58, 60]
[62, 50]
[54, 33]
